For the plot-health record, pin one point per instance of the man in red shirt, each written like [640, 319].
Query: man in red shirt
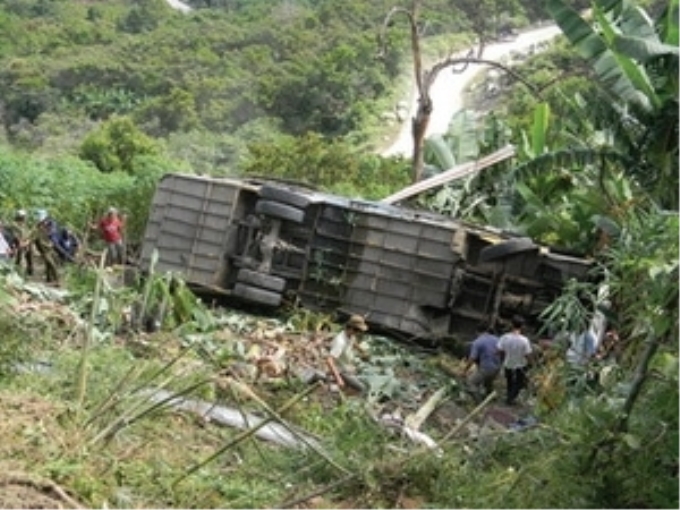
[111, 229]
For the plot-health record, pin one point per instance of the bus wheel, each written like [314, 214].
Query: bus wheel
[280, 211]
[255, 295]
[284, 196]
[507, 248]
[262, 280]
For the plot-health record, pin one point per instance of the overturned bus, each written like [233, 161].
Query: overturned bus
[413, 274]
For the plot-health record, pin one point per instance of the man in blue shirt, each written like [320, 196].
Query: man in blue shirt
[484, 355]
[65, 243]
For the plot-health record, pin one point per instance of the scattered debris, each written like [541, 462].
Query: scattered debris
[282, 434]
[405, 386]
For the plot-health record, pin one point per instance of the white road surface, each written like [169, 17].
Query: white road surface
[447, 90]
[180, 6]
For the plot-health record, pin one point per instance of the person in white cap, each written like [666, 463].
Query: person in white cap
[340, 360]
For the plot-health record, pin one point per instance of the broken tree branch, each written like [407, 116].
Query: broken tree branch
[469, 417]
[321, 491]
[415, 420]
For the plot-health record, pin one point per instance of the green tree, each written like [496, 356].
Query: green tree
[175, 112]
[144, 16]
[330, 165]
[116, 144]
[636, 63]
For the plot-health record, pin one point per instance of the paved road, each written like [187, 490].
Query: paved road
[180, 6]
[447, 90]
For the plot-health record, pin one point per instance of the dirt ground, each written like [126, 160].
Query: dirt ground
[20, 421]
[21, 490]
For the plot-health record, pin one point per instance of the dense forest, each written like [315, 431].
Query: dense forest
[100, 98]
[209, 80]
[134, 89]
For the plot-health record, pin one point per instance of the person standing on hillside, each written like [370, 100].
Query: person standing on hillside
[486, 358]
[111, 228]
[22, 245]
[43, 238]
[515, 350]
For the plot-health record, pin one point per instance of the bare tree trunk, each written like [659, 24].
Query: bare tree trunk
[418, 128]
[425, 78]
[420, 122]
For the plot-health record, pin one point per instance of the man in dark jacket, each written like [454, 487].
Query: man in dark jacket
[44, 239]
[65, 243]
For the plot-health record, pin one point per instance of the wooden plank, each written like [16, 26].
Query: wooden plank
[452, 174]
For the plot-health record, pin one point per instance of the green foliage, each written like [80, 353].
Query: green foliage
[605, 148]
[311, 68]
[145, 16]
[213, 72]
[644, 256]
[331, 165]
[101, 104]
[481, 197]
[14, 349]
[631, 64]
[75, 193]
[114, 147]
[175, 112]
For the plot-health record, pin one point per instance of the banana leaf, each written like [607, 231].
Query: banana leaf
[539, 128]
[438, 152]
[623, 77]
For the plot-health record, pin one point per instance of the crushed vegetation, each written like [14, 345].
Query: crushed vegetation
[211, 410]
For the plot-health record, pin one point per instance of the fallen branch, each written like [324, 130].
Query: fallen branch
[321, 491]
[246, 434]
[409, 427]
[452, 174]
[305, 439]
[415, 420]
[469, 417]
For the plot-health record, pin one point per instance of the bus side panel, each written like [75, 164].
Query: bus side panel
[188, 226]
[398, 273]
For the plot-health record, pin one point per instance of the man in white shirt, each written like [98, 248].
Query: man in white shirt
[515, 349]
[341, 357]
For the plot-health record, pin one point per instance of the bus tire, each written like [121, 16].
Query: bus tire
[284, 196]
[506, 249]
[261, 280]
[280, 211]
[255, 295]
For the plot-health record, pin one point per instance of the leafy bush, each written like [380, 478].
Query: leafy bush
[75, 193]
[329, 165]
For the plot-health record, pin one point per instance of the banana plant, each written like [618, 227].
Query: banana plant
[635, 62]
[482, 197]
